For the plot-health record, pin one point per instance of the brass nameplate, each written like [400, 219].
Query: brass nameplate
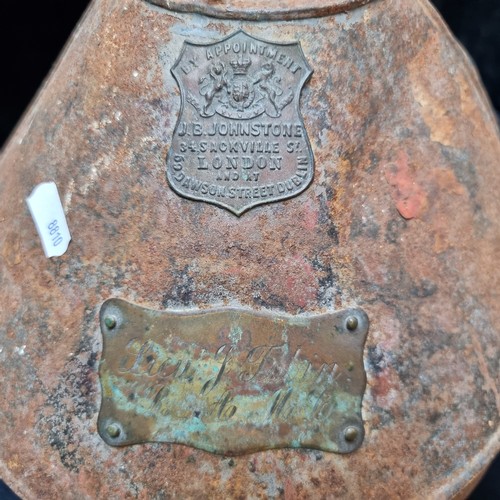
[240, 140]
[232, 381]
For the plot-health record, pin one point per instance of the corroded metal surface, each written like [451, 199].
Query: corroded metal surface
[240, 140]
[231, 381]
[261, 10]
[400, 220]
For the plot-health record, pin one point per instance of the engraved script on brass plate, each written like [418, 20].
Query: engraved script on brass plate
[232, 381]
[240, 140]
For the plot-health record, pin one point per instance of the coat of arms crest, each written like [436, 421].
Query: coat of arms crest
[240, 140]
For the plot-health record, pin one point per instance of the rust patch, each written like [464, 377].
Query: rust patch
[11, 250]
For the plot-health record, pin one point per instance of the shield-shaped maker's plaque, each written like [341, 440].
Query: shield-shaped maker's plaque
[240, 140]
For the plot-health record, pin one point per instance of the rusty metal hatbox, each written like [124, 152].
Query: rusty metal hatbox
[283, 277]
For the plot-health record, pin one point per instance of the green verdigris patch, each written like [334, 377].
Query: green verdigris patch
[232, 381]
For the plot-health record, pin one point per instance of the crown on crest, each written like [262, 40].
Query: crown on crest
[241, 65]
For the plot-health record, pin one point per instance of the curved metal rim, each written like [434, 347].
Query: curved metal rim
[249, 12]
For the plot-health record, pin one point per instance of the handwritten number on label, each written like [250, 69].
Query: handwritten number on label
[55, 235]
[47, 212]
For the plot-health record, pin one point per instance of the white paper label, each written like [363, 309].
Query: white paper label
[48, 214]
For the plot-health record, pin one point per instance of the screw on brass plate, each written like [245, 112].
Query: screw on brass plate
[110, 322]
[113, 430]
[351, 323]
[350, 433]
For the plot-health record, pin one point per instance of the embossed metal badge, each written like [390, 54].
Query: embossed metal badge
[232, 381]
[240, 140]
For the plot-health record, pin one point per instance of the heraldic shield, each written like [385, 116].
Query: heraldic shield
[240, 140]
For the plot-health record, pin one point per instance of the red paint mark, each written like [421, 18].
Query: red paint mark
[409, 197]
[381, 386]
[301, 281]
[290, 492]
[310, 216]
[233, 270]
